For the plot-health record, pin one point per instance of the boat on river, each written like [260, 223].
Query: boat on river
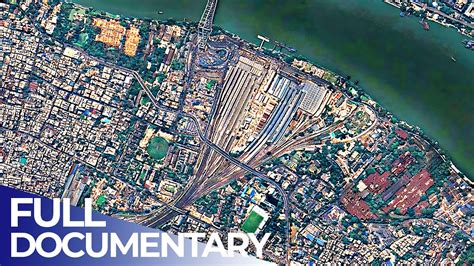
[425, 24]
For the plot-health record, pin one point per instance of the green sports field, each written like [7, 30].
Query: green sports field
[251, 224]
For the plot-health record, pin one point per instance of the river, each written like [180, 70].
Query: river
[405, 68]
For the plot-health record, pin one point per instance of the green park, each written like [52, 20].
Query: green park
[157, 148]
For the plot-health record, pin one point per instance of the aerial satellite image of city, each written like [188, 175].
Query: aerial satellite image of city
[343, 128]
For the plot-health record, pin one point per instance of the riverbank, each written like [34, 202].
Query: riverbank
[433, 15]
[407, 70]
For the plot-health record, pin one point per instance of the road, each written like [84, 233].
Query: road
[168, 211]
[185, 197]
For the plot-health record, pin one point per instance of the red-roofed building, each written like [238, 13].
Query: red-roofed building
[410, 195]
[401, 133]
[399, 165]
[420, 206]
[356, 206]
[377, 183]
[33, 86]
